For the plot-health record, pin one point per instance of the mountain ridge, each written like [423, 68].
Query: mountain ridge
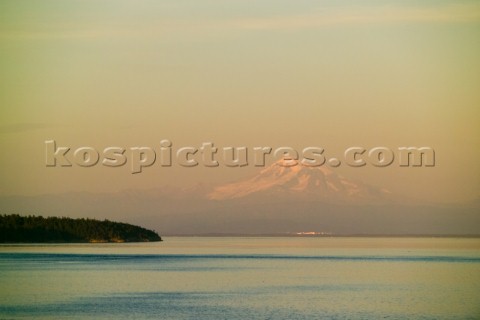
[275, 200]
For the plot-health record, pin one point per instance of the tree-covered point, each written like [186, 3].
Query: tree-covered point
[16, 228]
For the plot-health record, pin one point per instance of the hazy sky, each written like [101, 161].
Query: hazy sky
[332, 74]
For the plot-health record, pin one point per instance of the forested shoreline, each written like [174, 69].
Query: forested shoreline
[37, 229]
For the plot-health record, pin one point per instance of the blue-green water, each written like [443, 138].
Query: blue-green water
[244, 278]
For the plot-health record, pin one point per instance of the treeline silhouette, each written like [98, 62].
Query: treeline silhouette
[16, 228]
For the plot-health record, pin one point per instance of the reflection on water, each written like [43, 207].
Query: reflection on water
[244, 278]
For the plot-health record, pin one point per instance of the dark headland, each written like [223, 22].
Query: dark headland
[37, 229]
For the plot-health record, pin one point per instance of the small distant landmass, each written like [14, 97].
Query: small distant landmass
[37, 229]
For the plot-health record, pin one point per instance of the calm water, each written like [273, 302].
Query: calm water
[244, 278]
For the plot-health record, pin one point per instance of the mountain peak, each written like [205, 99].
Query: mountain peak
[287, 179]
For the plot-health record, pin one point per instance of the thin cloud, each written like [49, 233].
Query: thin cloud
[322, 17]
[23, 127]
[458, 13]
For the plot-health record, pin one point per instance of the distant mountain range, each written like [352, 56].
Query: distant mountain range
[278, 200]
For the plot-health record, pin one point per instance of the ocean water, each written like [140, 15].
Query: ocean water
[244, 278]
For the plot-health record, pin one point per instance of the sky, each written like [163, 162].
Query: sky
[330, 74]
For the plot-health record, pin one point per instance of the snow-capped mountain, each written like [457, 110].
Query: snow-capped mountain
[302, 182]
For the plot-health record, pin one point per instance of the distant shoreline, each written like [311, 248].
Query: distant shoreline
[281, 235]
[37, 229]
